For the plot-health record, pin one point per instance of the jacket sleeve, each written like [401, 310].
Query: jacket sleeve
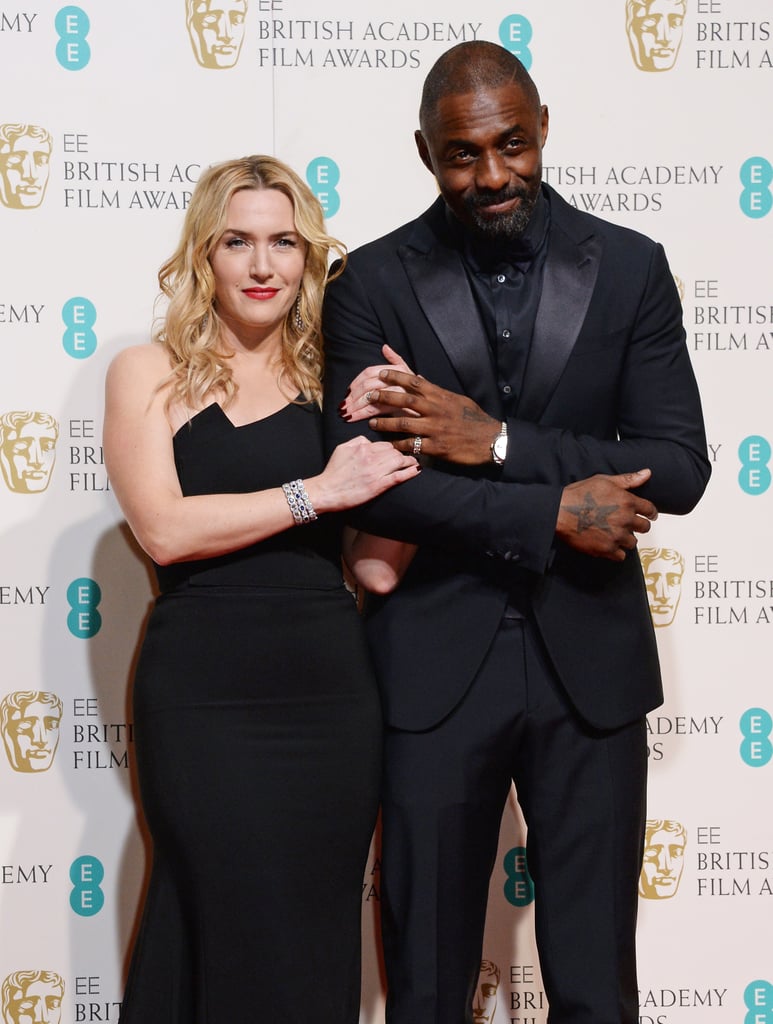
[507, 520]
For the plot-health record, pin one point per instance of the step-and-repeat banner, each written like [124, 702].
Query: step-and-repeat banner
[660, 120]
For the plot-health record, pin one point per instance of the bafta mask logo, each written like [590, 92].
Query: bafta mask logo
[663, 863]
[29, 722]
[654, 30]
[27, 450]
[33, 997]
[216, 30]
[663, 570]
[25, 157]
[485, 1002]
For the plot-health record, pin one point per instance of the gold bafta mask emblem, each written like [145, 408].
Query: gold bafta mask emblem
[25, 157]
[663, 570]
[655, 30]
[29, 722]
[33, 997]
[663, 863]
[27, 450]
[216, 30]
[485, 1001]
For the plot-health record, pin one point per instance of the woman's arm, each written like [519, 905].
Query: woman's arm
[376, 563]
[172, 528]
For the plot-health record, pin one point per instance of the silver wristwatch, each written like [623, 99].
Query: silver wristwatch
[499, 446]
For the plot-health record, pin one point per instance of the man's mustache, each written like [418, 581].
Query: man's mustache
[480, 200]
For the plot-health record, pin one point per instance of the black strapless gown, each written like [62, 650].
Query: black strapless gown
[258, 744]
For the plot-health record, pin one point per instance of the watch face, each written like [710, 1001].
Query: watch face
[500, 448]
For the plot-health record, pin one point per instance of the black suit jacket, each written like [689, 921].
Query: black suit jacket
[608, 388]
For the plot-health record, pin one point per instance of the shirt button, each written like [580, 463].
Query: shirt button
[505, 334]
[507, 389]
[501, 278]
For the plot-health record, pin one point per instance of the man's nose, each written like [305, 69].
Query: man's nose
[491, 172]
[28, 168]
[224, 28]
[35, 454]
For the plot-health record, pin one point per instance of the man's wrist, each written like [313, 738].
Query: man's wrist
[499, 445]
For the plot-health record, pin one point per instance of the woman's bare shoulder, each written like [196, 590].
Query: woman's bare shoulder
[147, 359]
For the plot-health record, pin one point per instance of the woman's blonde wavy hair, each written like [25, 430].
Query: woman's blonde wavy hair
[190, 329]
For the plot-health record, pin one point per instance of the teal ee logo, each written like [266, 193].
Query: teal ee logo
[519, 888]
[515, 34]
[758, 997]
[86, 896]
[83, 597]
[754, 453]
[79, 317]
[756, 177]
[323, 175]
[72, 26]
[756, 748]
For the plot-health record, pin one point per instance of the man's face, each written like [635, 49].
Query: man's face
[663, 864]
[217, 29]
[32, 737]
[24, 169]
[663, 578]
[41, 1003]
[485, 1002]
[655, 34]
[27, 457]
[485, 149]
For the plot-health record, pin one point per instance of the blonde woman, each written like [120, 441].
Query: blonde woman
[257, 721]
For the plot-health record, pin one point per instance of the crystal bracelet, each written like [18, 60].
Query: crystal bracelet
[299, 502]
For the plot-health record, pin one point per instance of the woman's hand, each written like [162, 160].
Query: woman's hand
[357, 471]
[361, 401]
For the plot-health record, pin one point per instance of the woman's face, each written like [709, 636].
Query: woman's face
[258, 264]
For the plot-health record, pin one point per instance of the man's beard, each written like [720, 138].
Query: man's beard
[502, 227]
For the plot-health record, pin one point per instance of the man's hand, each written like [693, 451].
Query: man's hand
[600, 517]
[451, 427]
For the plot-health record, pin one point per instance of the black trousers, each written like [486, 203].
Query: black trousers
[582, 793]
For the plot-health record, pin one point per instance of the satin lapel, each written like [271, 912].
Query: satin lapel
[569, 278]
[441, 287]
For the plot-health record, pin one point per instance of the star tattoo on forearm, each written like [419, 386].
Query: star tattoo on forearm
[590, 514]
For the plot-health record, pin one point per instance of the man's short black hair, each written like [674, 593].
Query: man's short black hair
[469, 67]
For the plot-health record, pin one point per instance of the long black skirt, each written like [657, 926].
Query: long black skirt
[258, 745]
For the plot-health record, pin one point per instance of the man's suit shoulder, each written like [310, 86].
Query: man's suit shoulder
[580, 224]
[406, 234]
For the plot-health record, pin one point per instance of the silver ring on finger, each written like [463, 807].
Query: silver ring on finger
[417, 445]
[368, 396]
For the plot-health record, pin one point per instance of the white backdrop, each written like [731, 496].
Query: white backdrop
[107, 115]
